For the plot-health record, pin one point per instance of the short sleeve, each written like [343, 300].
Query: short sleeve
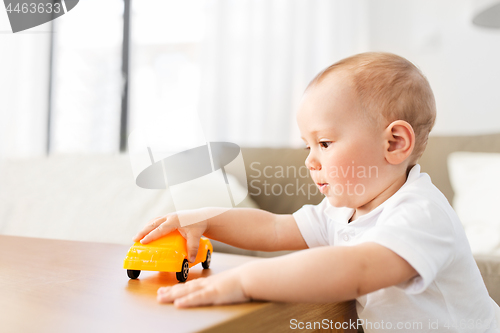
[419, 231]
[312, 223]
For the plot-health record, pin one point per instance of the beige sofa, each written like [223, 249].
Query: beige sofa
[94, 198]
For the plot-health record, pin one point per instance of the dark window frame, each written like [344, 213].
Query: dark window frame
[125, 76]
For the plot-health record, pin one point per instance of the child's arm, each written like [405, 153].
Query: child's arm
[323, 275]
[248, 228]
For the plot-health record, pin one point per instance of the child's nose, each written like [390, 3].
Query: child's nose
[312, 163]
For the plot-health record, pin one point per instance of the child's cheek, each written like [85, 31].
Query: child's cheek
[349, 178]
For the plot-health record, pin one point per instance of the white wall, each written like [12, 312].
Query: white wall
[461, 61]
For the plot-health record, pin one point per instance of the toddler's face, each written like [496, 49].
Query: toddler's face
[346, 158]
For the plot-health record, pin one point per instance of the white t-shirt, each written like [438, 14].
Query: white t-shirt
[418, 224]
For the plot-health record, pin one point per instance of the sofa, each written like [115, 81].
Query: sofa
[94, 197]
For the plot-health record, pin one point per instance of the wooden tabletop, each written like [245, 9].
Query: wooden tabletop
[67, 286]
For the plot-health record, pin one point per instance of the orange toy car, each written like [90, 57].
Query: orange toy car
[166, 254]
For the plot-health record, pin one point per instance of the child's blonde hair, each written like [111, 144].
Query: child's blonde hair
[392, 87]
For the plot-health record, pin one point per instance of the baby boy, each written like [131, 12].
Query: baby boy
[384, 234]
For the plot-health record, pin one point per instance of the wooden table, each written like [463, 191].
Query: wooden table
[67, 286]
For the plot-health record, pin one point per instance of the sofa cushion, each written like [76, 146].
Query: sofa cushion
[476, 180]
[490, 271]
[278, 180]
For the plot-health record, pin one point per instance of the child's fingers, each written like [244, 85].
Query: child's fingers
[154, 223]
[218, 289]
[163, 229]
[169, 294]
[205, 296]
[193, 242]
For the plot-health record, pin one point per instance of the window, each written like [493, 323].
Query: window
[87, 78]
[165, 68]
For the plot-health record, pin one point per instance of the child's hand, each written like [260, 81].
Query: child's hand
[161, 226]
[223, 288]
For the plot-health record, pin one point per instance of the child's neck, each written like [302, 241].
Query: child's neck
[380, 198]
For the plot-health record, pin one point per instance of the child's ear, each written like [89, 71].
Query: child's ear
[399, 140]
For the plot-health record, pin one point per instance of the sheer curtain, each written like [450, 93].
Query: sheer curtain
[241, 65]
[87, 78]
[86, 83]
[24, 59]
[259, 55]
[165, 65]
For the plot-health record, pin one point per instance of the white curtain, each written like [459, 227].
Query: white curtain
[87, 78]
[24, 78]
[86, 83]
[242, 64]
[259, 55]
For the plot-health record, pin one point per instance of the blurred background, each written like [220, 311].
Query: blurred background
[72, 90]
[81, 83]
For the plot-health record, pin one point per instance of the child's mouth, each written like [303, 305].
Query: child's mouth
[322, 187]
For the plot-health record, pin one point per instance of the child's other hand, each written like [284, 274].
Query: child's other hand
[163, 225]
[223, 288]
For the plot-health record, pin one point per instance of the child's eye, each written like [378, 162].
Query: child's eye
[325, 144]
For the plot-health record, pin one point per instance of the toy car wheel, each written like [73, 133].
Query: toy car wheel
[183, 275]
[206, 263]
[133, 274]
